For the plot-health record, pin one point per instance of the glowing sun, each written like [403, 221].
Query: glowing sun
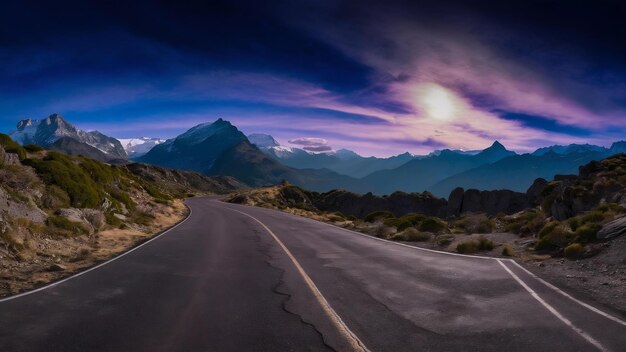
[437, 102]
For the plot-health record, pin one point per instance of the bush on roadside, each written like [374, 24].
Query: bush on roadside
[475, 223]
[377, 215]
[444, 240]
[411, 234]
[507, 251]
[473, 246]
[573, 251]
[432, 224]
[67, 227]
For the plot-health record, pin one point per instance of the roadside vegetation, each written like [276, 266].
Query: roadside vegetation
[61, 213]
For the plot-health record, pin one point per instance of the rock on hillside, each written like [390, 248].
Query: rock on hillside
[598, 182]
[184, 182]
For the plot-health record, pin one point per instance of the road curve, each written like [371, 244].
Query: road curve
[235, 278]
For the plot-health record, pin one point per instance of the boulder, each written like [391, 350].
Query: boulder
[8, 158]
[455, 201]
[534, 191]
[612, 229]
[95, 218]
[471, 202]
[76, 215]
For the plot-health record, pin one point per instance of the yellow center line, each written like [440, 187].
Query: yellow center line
[352, 340]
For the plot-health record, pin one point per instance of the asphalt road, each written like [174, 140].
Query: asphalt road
[235, 278]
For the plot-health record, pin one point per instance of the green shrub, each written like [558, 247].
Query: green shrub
[587, 232]
[475, 223]
[399, 223]
[141, 218]
[54, 198]
[433, 225]
[10, 146]
[411, 234]
[444, 240]
[60, 170]
[558, 237]
[467, 247]
[33, 148]
[70, 227]
[507, 251]
[473, 246]
[573, 251]
[528, 223]
[547, 228]
[112, 220]
[377, 215]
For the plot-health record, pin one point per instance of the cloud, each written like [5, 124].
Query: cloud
[312, 144]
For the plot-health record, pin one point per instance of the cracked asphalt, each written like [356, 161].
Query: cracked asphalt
[220, 282]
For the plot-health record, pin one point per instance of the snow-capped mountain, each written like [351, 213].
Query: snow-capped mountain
[136, 147]
[56, 131]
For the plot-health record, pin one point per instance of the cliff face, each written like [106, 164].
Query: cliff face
[597, 182]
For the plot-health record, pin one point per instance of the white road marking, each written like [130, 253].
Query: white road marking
[552, 310]
[343, 329]
[97, 266]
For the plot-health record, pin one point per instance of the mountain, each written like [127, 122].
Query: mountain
[517, 172]
[568, 149]
[136, 147]
[421, 174]
[343, 161]
[197, 149]
[618, 147]
[219, 148]
[47, 133]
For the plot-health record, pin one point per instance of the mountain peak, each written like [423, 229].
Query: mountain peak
[497, 146]
[27, 122]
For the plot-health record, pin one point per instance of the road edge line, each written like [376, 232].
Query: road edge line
[558, 290]
[553, 310]
[80, 273]
[344, 330]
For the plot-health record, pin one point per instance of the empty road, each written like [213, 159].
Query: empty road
[236, 278]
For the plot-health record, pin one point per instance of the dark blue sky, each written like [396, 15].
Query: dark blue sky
[377, 77]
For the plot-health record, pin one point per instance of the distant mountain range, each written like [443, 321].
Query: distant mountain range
[55, 133]
[342, 161]
[219, 148]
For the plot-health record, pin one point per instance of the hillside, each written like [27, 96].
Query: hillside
[62, 213]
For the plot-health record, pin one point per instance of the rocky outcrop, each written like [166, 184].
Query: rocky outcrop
[399, 203]
[8, 158]
[534, 192]
[76, 215]
[455, 202]
[489, 202]
[612, 229]
[598, 182]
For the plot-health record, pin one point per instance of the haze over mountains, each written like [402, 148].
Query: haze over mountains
[220, 148]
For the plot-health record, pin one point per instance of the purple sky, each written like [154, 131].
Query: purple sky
[379, 79]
